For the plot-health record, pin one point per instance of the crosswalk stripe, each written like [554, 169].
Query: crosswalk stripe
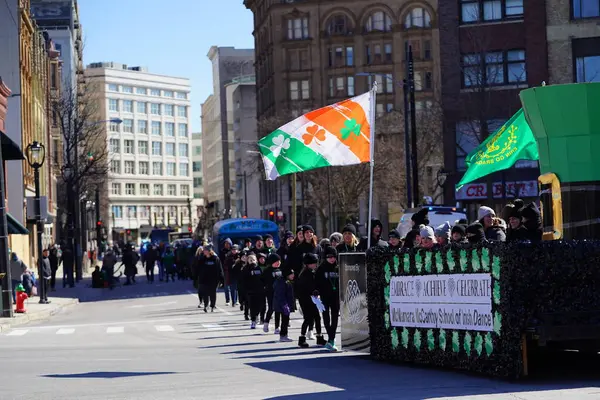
[164, 328]
[65, 331]
[212, 327]
[115, 329]
[17, 332]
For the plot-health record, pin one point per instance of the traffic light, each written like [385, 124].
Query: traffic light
[189, 229]
[99, 224]
[128, 232]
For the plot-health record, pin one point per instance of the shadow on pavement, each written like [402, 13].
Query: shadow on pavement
[359, 377]
[299, 352]
[228, 337]
[107, 374]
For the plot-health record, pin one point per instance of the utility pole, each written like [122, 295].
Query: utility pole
[98, 221]
[189, 205]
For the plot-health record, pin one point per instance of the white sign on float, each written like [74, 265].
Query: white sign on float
[452, 301]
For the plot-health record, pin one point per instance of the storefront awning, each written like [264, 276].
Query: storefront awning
[10, 150]
[14, 226]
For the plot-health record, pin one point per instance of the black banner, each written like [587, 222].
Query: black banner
[353, 302]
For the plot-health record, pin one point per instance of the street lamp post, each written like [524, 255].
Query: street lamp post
[36, 153]
[407, 153]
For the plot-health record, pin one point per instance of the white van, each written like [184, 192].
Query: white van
[437, 216]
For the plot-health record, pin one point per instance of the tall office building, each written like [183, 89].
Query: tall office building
[150, 177]
[228, 63]
[197, 169]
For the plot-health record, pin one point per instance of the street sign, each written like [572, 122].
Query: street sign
[478, 191]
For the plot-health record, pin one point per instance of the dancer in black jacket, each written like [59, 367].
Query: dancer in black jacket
[305, 289]
[327, 279]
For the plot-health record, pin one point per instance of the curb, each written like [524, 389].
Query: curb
[39, 316]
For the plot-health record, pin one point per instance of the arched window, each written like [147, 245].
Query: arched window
[379, 21]
[338, 25]
[417, 18]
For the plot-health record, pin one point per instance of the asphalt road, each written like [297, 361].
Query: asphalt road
[152, 342]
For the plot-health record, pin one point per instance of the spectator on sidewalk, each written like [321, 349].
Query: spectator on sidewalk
[54, 263]
[68, 260]
[45, 278]
[17, 269]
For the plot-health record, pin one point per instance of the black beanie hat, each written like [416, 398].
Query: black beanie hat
[420, 217]
[349, 228]
[288, 234]
[515, 213]
[331, 251]
[394, 234]
[299, 229]
[310, 258]
[459, 228]
[268, 236]
[287, 271]
[258, 237]
[306, 228]
[273, 258]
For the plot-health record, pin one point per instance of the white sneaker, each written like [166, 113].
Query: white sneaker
[227, 303]
[276, 331]
[310, 336]
[266, 327]
[285, 339]
[253, 325]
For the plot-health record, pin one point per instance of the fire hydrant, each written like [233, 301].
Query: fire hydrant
[21, 297]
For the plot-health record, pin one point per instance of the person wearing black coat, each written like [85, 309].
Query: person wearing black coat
[376, 227]
[283, 250]
[68, 260]
[210, 275]
[46, 276]
[305, 288]
[308, 245]
[516, 232]
[254, 287]
[239, 269]
[532, 221]
[54, 263]
[349, 241]
[327, 281]
[394, 242]
[419, 218]
[270, 274]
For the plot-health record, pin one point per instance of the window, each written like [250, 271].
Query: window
[341, 56]
[115, 189]
[53, 75]
[144, 168]
[131, 212]
[427, 49]
[126, 89]
[197, 166]
[385, 83]
[114, 145]
[468, 137]
[113, 127]
[141, 90]
[198, 150]
[141, 107]
[170, 169]
[197, 182]
[184, 169]
[154, 109]
[117, 211]
[158, 190]
[157, 148]
[388, 52]
[169, 110]
[423, 105]
[379, 21]
[182, 130]
[494, 68]
[113, 105]
[157, 168]
[130, 189]
[128, 106]
[143, 147]
[156, 128]
[417, 18]
[168, 93]
[128, 147]
[375, 53]
[338, 25]
[586, 8]
[169, 129]
[297, 28]
[129, 167]
[182, 111]
[171, 190]
[172, 211]
[113, 88]
[128, 125]
[115, 166]
[154, 92]
[184, 190]
[170, 149]
[299, 90]
[341, 86]
[142, 126]
[473, 11]
[181, 95]
[144, 189]
[588, 69]
[183, 150]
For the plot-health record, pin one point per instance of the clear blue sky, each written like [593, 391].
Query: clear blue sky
[169, 37]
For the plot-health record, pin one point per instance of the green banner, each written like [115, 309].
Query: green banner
[514, 141]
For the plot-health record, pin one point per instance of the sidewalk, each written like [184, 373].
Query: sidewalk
[38, 312]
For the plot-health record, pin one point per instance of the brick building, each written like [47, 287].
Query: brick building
[490, 51]
[310, 53]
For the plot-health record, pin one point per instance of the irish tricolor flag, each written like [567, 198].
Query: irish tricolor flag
[339, 134]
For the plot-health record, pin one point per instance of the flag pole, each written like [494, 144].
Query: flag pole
[294, 205]
[373, 110]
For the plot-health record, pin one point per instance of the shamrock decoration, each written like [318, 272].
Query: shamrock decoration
[395, 340]
[442, 339]
[406, 263]
[478, 344]
[404, 338]
[430, 340]
[280, 144]
[350, 126]
[489, 345]
[467, 343]
[497, 322]
[417, 339]
[387, 319]
[314, 132]
[455, 342]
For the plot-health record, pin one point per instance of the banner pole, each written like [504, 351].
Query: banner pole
[372, 160]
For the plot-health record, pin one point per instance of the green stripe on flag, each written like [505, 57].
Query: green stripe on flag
[288, 154]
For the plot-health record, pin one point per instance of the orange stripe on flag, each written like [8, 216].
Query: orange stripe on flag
[334, 117]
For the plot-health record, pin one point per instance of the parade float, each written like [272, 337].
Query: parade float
[484, 308]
